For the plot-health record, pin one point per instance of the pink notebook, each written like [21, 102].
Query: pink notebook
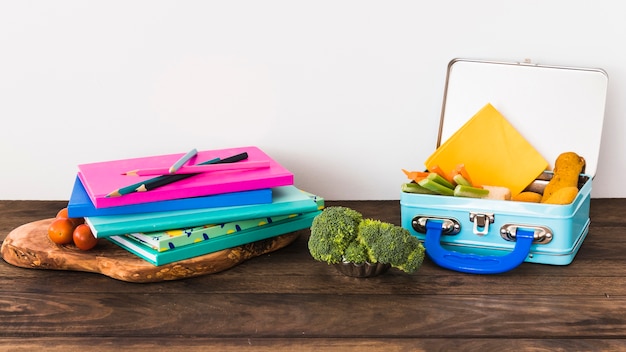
[101, 178]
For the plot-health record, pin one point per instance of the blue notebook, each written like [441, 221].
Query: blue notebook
[285, 200]
[80, 205]
[300, 222]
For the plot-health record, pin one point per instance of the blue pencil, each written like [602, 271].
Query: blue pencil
[177, 165]
[133, 188]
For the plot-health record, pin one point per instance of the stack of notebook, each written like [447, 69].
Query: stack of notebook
[173, 207]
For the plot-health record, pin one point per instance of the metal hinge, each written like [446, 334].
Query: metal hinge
[542, 234]
[449, 226]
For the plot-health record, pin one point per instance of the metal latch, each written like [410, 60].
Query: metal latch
[481, 222]
[449, 226]
[542, 234]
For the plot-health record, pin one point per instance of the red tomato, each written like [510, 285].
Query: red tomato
[84, 238]
[61, 231]
[63, 214]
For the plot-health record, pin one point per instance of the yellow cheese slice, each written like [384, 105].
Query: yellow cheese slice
[493, 151]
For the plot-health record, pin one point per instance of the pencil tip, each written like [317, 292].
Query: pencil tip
[115, 193]
[130, 173]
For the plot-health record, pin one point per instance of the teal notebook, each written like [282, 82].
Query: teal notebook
[300, 222]
[285, 200]
[170, 239]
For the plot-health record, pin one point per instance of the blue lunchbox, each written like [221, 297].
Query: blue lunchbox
[557, 109]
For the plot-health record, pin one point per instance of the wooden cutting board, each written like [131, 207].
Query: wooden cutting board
[28, 246]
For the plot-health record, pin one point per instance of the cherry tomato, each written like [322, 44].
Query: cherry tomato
[84, 238]
[61, 230]
[63, 214]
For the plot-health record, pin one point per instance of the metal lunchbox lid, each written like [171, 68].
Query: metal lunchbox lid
[557, 109]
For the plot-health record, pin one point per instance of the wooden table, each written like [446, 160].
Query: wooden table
[287, 301]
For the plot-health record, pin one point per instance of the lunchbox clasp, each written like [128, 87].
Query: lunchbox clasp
[481, 222]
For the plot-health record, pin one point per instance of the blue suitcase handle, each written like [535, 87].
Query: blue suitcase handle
[473, 263]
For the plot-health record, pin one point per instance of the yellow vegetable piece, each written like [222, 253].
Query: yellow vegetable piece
[564, 195]
[530, 197]
[567, 168]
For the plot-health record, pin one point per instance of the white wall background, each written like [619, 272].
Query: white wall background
[343, 93]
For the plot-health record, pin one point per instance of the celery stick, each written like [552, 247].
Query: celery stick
[472, 192]
[460, 180]
[436, 187]
[413, 187]
[435, 177]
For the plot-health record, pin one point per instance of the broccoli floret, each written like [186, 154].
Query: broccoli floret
[331, 233]
[388, 243]
[341, 234]
[356, 253]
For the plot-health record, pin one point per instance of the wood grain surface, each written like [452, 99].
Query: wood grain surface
[28, 246]
[285, 300]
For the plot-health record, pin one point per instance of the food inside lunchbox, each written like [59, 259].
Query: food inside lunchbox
[482, 160]
[561, 189]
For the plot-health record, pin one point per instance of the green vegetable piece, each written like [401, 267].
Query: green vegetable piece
[440, 180]
[468, 191]
[341, 234]
[356, 252]
[436, 187]
[331, 233]
[391, 244]
[414, 187]
[460, 180]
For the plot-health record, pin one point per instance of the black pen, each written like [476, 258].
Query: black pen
[161, 181]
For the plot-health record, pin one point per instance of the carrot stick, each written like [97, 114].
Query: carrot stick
[461, 170]
[439, 171]
[415, 175]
